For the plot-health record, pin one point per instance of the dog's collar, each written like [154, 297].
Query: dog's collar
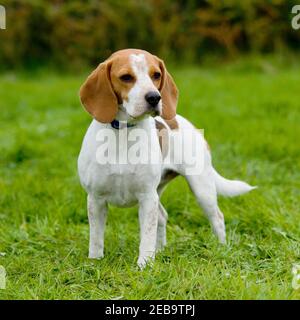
[120, 125]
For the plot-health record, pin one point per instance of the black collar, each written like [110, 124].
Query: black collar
[120, 125]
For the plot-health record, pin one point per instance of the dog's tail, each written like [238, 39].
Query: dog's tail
[230, 188]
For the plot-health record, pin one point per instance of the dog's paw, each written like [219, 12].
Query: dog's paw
[144, 261]
[96, 256]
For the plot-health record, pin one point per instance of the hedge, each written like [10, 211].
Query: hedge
[79, 33]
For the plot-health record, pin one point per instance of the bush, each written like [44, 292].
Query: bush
[77, 33]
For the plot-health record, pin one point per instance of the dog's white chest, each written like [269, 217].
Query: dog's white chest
[110, 171]
[122, 184]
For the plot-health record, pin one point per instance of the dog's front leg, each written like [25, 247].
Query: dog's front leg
[148, 217]
[97, 212]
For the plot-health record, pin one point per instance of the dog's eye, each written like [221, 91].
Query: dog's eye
[127, 78]
[156, 75]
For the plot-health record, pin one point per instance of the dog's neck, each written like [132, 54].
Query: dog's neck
[124, 119]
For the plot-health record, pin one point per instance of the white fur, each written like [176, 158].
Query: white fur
[125, 185]
[230, 188]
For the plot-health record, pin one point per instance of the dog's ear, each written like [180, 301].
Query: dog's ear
[169, 93]
[97, 95]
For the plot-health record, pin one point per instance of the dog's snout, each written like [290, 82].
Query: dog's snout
[153, 98]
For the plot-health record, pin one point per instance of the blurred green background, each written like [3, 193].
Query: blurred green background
[236, 64]
[73, 34]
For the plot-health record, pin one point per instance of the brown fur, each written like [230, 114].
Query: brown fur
[103, 91]
[172, 124]
[163, 137]
[97, 94]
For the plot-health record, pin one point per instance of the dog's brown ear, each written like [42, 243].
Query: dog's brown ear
[97, 95]
[169, 93]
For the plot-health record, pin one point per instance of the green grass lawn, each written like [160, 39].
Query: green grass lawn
[251, 115]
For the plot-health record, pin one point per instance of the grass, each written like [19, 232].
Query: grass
[251, 115]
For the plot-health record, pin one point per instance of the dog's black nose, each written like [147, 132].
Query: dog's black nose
[153, 98]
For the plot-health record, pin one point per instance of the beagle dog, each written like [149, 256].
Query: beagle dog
[129, 93]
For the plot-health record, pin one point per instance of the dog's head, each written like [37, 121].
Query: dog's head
[133, 80]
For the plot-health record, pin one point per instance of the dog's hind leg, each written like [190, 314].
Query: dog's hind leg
[203, 187]
[97, 212]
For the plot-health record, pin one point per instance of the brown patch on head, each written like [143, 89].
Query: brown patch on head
[153, 63]
[121, 68]
[109, 84]
[161, 78]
